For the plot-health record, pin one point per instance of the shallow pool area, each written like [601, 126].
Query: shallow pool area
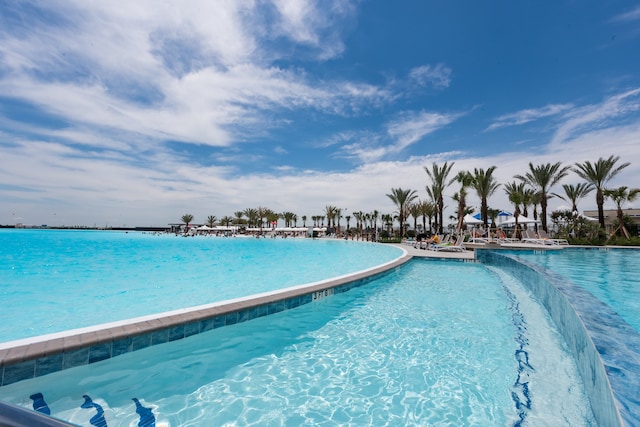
[409, 348]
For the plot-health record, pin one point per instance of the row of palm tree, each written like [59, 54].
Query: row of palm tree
[530, 189]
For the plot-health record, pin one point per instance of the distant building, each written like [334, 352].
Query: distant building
[611, 216]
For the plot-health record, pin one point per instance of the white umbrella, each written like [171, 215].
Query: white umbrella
[521, 220]
[471, 220]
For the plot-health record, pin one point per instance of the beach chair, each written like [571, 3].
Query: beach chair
[544, 236]
[451, 247]
[528, 236]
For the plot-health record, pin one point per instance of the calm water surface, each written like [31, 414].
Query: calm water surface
[611, 275]
[56, 280]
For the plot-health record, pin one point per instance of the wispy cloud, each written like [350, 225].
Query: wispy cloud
[630, 16]
[396, 135]
[438, 76]
[591, 117]
[529, 115]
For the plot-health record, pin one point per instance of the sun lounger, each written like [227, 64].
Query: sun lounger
[451, 247]
[528, 236]
[543, 235]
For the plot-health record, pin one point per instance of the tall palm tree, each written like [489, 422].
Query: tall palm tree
[427, 210]
[465, 179]
[516, 193]
[599, 174]
[211, 220]
[304, 221]
[485, 185]
[402, 199]
[187, 218]
[542, 178]
[575, 193]
[252, 217]
[226, 220]
[330, 212]
[620, 196]
[238, 217]
[439, 183]
[414, 211]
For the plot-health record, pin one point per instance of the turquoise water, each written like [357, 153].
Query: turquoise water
[436, 343]
[611, 275]
[56, 280]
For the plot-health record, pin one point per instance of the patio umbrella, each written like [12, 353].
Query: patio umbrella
[471, 219]
[521, 220]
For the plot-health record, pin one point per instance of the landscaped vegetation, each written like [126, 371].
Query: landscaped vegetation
[527, 192]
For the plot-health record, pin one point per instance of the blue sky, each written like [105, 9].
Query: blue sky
[140, 113]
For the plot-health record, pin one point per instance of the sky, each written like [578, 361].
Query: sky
[136, 113]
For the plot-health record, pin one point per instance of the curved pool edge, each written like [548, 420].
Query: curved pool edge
[606, 349]
[37, 356]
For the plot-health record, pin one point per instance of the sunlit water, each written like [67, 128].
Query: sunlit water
[611, 275]
[434, 343]
[56, 280]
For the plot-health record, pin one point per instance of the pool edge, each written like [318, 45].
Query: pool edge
[588, 335]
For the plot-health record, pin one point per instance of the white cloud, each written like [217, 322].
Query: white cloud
[438, 76]
[585, 119]
[632, 15]
[528, 115]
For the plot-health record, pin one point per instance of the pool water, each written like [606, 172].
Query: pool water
[611, 275]
[435, 342]
[57, 280]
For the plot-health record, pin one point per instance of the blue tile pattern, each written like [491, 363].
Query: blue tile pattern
[606, 348]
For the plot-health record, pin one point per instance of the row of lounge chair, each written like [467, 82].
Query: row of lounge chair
[448, 245]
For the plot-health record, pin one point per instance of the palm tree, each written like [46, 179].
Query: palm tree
[402, 199]
[288, 218]
[516, 193]
[575, 193]
[252, 217]
[387, 219]
[330, 212]
[348, 218]
[485, 185]
[464, 178]
[619, 196]
[439, 183]
[542, 178]
[261, 214]
[427, 210]
[304, 221]
[414, 210]
[599, 174]
[211, 220]
[187, 218]
[238, 217]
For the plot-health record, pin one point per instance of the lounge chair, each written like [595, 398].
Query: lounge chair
[451, 247]
[544, 236]
[529, 236]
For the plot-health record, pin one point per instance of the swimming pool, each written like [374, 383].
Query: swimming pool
[610, 274]
[57, 280]
[410, 348]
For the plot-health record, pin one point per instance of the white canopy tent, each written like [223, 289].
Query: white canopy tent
[521, 220]
[471, 220]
